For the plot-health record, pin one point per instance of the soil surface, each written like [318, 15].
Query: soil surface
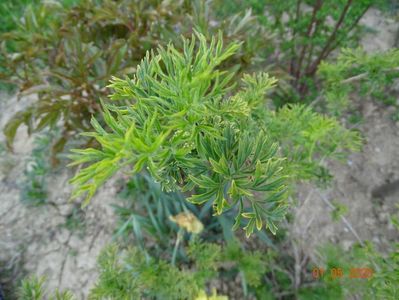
[38, 240]
[368, 182]
[56, 240]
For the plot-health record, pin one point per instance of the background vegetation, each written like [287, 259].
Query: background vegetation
[217, 111]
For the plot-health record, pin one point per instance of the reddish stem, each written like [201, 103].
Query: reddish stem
[313, 20]
[330, 40]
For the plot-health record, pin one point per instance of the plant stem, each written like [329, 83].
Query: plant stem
[178, 239]
[330, 40]
[294, 32]
[363, 75]
[313, 20]
[351, 27]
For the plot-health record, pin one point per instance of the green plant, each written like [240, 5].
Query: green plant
[309, 36]
[167, 131]
[131, 274]
[191, 125]
[80, 48]
[33, 187]
[11, 11]
[138, 276]
[306, 33]
[33, 289]
[146, 210]
[339, 210]
[355, 70]
[180, 124]
[75, 221]
[308, 139]
[66, 55]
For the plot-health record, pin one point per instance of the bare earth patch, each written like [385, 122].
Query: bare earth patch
[37, 240]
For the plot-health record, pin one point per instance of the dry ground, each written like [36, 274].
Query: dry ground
[36, 240]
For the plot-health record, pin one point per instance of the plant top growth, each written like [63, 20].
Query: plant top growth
[182, 120]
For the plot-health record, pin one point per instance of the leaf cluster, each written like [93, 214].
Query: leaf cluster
[308, 138]
[181, 125]
[305, 33]
[131, 274]
[356, 70]
[33, 289]
[145, 210]
[66, 54]
[383, 284]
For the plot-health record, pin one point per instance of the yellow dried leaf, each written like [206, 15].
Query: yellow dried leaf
[188, 221]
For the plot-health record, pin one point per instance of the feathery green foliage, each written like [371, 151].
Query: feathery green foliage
[183, 121]
[33, 289]
[306, 33]
[183, 127]
[307, 139]
[66, 55]
[382, 284]
[131, 274]
[252, 267]
[354, 69]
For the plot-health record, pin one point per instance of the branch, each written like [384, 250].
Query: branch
[313, 20]
[294, 32]
[350, 28]
[365, 74]
[330, 39]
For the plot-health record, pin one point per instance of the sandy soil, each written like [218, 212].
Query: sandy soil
[366, 183]
[35, 240]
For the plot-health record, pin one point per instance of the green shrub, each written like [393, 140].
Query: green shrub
[131, 274]
[355, 70]
[203, 144]
[184, 126]
[306, 33]
[66, 55]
